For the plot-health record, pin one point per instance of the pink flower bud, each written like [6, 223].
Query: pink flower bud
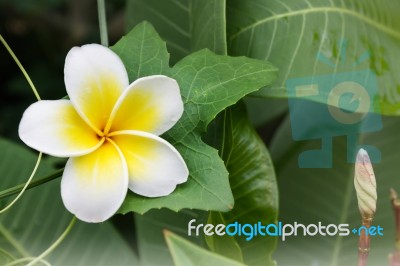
[365, 184]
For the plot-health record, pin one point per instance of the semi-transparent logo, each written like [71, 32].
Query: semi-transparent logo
[356, 95]
[279, 229]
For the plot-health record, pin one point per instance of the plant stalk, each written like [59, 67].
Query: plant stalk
[55, 244]
[28, 79]
[394, 259]
[16, 189]
[364, 242]
[101, 10]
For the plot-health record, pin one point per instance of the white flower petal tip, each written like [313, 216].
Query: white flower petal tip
[155, 167]
[54, 128]
[94, 186]
[365, 184]
[95, 78]
[157, 105]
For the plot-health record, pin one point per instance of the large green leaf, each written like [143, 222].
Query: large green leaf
[151, 225]
[208, 25]
[208, 83]
[310, 196]
[39, 217]
[302, 38]
[252, 179]
[186, 253]
[150, 228]
[242, 151]
[185, 25]
[225, 245]
[190, 25]
[171, 19]
[143, 52]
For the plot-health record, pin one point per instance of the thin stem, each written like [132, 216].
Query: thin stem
[14, 190]
[396, 210]
[55, 244]
[9, 237]
[20, 67]
[394, 258]
[6, 254]
[26, 184]
[101, 10]
[364, 242]
[19, 261]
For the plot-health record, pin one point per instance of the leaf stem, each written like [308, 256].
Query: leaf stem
[20, 67]
[16, 189]
[55, 244]
[101, 10]
[9, 237]
[19, 261]
[26, 184]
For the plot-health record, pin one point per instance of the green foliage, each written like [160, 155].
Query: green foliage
[225, 245]
[290, 33]
[143, 52]
[185, 25]
[39, 217]
[253, 182]
[328, 195]
[150, 236]
[171, 20]
[208, 15]
[209, 83]
[255, 192]
[185, 253]
[150, 225]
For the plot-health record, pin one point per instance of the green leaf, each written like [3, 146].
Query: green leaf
[262, 111]
[291, 33]
[185, 25]
[39, 218]
[253, 182]
[225, 245]
[143, 52]
[171, 19]
[150, 228]
[181, 23]
[238, 141]
[208, 25]
[208, 83]
[186, 253]
[328, 196]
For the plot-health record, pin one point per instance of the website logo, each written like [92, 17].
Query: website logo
[279, 230]
[355, 94]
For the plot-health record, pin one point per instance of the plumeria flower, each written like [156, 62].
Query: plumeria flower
[109, 129]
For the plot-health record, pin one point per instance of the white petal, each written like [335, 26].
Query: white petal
[155, 166]
[95, 78]
[94, 186]
[151, 104]
[55, 128]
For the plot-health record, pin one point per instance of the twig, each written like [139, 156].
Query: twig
[364, 242]
[101, 10]
[394, 259]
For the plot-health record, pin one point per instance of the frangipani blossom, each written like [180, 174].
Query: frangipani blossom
[109, 129]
